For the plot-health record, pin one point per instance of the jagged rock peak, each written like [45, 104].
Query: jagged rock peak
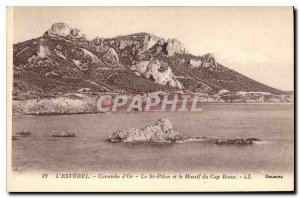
[172, 45]
[62, 29]
[175, 46]
[142, 41]
[139, 34]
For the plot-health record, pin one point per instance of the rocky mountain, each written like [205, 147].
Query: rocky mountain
[64, 61]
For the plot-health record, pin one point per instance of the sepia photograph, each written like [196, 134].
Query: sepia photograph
[150, 99]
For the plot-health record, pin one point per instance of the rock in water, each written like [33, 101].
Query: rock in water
[24, 133]
[237, 141]
[64, 134]
[160, 132]
[15, 138]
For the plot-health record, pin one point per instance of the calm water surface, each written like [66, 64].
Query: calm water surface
[273, 123]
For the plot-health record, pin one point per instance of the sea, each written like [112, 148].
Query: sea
[89, 150]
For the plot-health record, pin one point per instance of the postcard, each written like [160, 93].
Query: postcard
[150, 99]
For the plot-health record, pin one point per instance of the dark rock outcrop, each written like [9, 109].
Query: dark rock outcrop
[15, 138]
[229, 141]
[22, 134]
[237, 141]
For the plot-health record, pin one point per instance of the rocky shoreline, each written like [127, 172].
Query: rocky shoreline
[55, 106]
[81, 103]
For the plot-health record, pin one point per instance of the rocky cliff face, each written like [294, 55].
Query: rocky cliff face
[174, 46]
[159, 72]
[63, 61]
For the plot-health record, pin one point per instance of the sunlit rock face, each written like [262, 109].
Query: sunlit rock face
[62, 29]
[195, 63]
[175, 46]
[157, 71]
[111, 57]
[209, 60]
[43, 51]
[150, 41]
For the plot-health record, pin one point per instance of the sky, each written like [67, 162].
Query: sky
[255, 41]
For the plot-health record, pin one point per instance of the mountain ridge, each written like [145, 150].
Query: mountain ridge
[64, 61]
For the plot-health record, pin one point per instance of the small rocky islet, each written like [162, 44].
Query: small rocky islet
[25, 133]
[64, 134]
[163, 132]
[21, 134]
